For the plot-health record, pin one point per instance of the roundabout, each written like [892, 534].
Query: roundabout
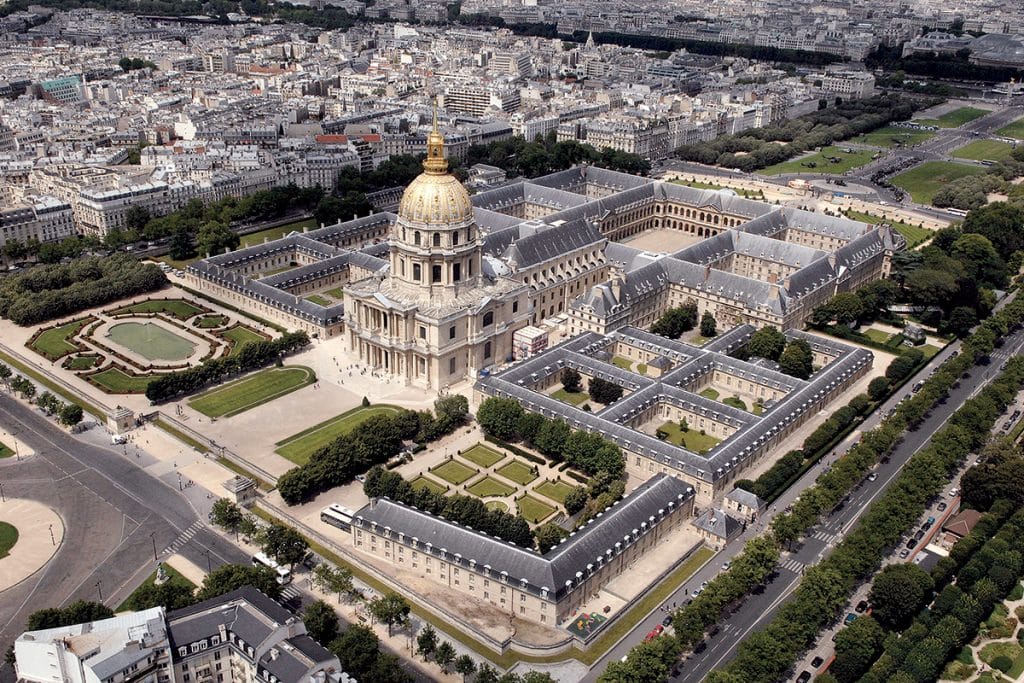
[30, 535]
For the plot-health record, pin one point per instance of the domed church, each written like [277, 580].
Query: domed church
[434, 317]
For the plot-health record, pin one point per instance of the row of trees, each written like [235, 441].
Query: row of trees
[795, 357]
[971, 192]
[758, 147]
[251, 355]
[505, 419]
[998, 474]
[68, 414]
[52, 291]
[863, 304]
[520, 157]
[372, 442]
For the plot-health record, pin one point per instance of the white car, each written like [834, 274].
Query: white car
[953, 493]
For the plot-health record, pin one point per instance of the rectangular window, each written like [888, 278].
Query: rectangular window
[515, 306]
[451, 332]
[435, 274]
[423, 332]
[416, 272]
[457, 272]
[451, 366]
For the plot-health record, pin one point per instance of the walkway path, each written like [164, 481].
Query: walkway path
[34, 522]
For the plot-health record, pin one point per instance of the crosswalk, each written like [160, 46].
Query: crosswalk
[291, 593]
[183, 538]
[793, 565]
[823, 536]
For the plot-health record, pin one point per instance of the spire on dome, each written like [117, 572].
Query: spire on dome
[435, 163]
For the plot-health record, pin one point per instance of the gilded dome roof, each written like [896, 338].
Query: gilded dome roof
[435, 196]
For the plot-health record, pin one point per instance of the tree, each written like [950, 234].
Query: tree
[181, 244]
[897, 593]
[426, 641]
[708, 325]
[465, 665]
[548, 536]
[797, 360]
[170, 595]
[214, 237]
[981, 262]
[78, 612]
[226, 515]
[285, 544]
[451, 411]
[603, 391]
[846, 308]
[878, 388]
[333, 579]
[248, 527]
[768, 342]
[571, 380]
[389, 609]
[551, 437]
[321, 621]
[70, 414]
[387, 668]
[857, 645]
[229, 577]
[675, 321]
[500, 417]
[961, 320]
[357, 649]
[444, 655]
[136, 218]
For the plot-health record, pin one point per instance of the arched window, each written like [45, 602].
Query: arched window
[416, 238]
[437, 239]
[488, 318]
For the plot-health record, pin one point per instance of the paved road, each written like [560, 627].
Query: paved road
[113, 512]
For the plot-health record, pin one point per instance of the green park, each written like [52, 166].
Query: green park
[299, 447]
[252, 391]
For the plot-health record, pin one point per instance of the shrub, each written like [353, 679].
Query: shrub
[1003, 663]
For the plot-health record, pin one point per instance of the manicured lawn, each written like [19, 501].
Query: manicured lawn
[922, 182]
[555, 490]
[957, 671]
[6, 451]
[489, 487]
[338, 293]
[496, 505]
[532, 510]
[928, 350]
[54, 343]
[8, 537]
[249, 392]
[482, 455]
[822, 162]
[319, 300]
[955, 118]
[1013, 130]
[425, 482]
[241, 334]
[914, 234]
[735, 402]
[710, 393]
[517, 471]
[210, 321]
[755, 194]
[620, 362]
[692, 439]
[252, 239]
[893, 136]
[878, 336]
[151, 341]
[182, 310]
[115, 381]
[1009, 649]
[173, 576]
[299, 447]
[984, 149]
[82, 362]
[275, 271]
[453, 471]
[575, 398]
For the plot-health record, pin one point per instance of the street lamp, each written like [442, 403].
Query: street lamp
[209, 567]
[99, 588]
[52, 539]
[152, 537]
[2, 499]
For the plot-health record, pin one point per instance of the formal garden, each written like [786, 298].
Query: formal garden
[122, 349]
[251, 391]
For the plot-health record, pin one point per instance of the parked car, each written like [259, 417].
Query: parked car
[861, 606]
[667, 620]
[941, 507]
[904, 554]
[850, 618]
[873, 476]
[911, 543]
[953, 493]
[817, 661]
[803, 677]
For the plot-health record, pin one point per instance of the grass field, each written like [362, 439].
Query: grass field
[453, 472]
[208, 322]
[735, 402]
[424, 482]
[489, 487]
[710, 393]
[249, 392]
[319, 300]
[691, 439]
[6, 451]
[913, 234]
[555, 490]
[496, 505]
[575, 398]
[151, 341]
[955, 118]
[241, 334]
[517, 471]
[299, 447]
[482, 455]
[984, 149]
[8, 537]
[893, 136]
[877, 336]
[1005, 649]
[82, 362]
[114, 381]
[182, 310]
[922, 182]
[252, 239]
[53, 343]
[173, 576]
[533, 510]
[338, 293]
[620, 362]
[822, 162]
[749, 194]
[1014, 129]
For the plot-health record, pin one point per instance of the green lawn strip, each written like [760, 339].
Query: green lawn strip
[482, 455]
[735, 402]
[914, 234]
[533, 510]
[981, 150]
[691, 439]
[210, 321]
[496, 505]
[53, 343]
[489, 487]
[425, 482]
[276, 271]
[574, 398]
[82, 363]
[922, 182]
[299, 447]
[822, 162]
[893, 136]
[254, 390]
[879, 336]
[116, 381]
[173, 576]
[319, 300]
[555, 490]
[151, 341]
[517, 471]
[240, 334]
[178, 308]
[178, 264]
[263, 484]
[255, 238]
[53, 386]
[337, 293]
[755, 194]
[6, 451]
[453, 472]
[710, 393]
[955, 118]
[928, 350]
[620, 362]
[1013, 130]
[8, 537]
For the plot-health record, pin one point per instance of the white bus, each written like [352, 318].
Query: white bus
[338, 516]
[957, 212]
[284, 575]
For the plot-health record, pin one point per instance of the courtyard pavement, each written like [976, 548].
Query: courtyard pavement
[35, 546]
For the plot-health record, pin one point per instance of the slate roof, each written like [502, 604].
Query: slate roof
[716, 522]
[246, 612]
[551, 243]
[746, 499]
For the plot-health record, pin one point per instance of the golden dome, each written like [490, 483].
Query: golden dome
[435, 196]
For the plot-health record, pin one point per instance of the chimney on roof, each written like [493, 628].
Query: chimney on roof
[773, 278]
[773, 291]
[617, 279]
[707, 272]
[786, 283]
